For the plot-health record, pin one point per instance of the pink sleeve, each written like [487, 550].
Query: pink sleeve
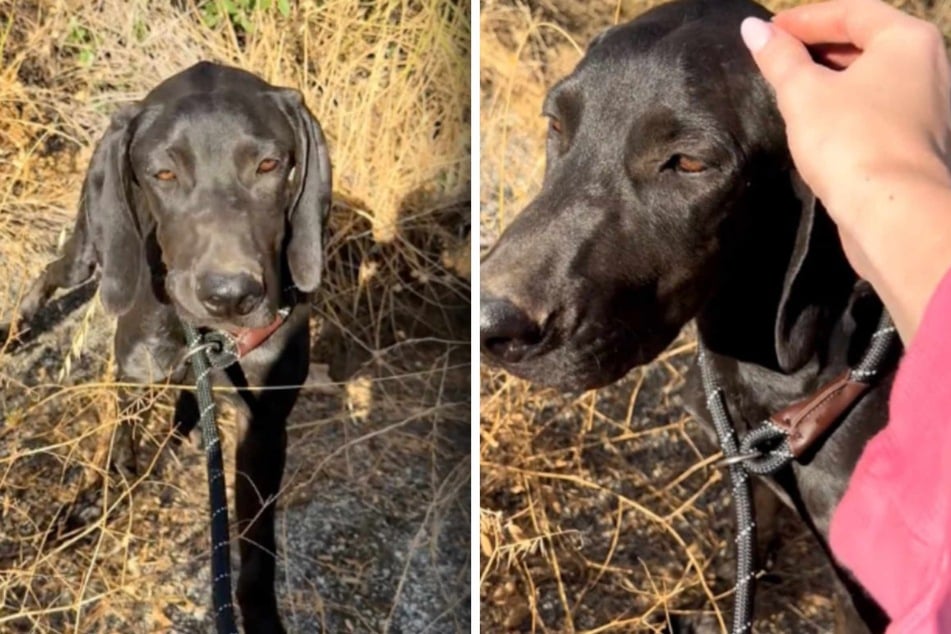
[893, 527]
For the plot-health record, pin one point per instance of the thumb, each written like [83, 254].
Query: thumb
[783, 60]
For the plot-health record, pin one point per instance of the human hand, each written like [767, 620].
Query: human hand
[882, 107]
[869, 129]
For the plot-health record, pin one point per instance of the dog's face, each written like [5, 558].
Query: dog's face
[653, 142]
[216, 174]
[223, 181]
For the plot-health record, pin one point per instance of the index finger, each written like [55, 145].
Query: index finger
[855, 22]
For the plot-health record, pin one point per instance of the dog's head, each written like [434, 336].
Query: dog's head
[664, 151]
[223, 180]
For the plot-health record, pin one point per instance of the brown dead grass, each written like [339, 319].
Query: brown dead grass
[602, 513]
[389, 83]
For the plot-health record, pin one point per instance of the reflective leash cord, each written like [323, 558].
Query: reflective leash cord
[745, 456]
[198, 351]
[742, 491]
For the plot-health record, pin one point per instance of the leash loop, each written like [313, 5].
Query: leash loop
[197, 349]
[199, 355]
[763, 451]
[770, 446]
[222, 349]
[737, 459]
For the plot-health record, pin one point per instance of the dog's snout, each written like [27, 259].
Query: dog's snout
[227, 295]
[506, 331]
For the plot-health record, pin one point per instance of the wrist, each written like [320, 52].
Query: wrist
[900, 240]
[875, 187]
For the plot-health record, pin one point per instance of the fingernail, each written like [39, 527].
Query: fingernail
[755, 33]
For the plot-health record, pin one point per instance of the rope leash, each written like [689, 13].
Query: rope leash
[205, 354]
[764, 450]
[742, 497]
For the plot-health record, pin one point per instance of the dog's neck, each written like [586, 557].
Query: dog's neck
[739, 319]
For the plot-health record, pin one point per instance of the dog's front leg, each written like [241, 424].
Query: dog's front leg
[259, 469]
[281, 364]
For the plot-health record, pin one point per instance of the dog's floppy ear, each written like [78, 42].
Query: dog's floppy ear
[311, 189]
[816, 274]
[112, 226]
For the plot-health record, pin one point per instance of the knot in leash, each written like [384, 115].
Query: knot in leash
[202, 351]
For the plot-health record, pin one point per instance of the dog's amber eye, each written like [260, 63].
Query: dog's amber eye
[689, 164]
[165, 175]
[267, 165]
[554, 125]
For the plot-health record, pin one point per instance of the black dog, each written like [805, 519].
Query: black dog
[669, 195]
[205, 202]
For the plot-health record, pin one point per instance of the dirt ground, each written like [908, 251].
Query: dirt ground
[601, 512]
[373, 521]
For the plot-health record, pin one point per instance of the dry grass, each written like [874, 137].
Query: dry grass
[381, 446]
[601, 512]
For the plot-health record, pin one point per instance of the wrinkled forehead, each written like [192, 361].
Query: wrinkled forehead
[213, 124]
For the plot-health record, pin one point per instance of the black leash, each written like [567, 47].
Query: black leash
[764, 450]
[205, 354]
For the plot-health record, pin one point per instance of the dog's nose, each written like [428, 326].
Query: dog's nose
[506, 331]
[225, 295]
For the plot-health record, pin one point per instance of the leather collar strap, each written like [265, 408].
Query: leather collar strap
[247, 339]
[807, 420]
[226, 348]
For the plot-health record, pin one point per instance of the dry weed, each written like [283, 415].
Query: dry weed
[374, 509]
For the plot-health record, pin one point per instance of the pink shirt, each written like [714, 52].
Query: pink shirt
[893, 527]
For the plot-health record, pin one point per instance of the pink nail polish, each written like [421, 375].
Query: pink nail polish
[755, 33]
